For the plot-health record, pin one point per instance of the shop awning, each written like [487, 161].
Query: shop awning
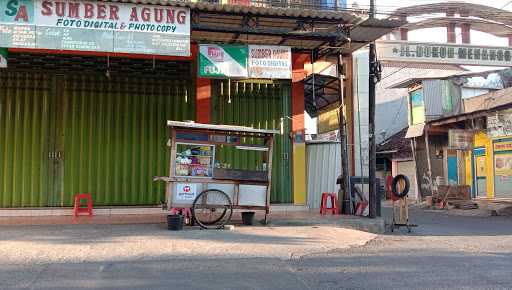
[415, 131]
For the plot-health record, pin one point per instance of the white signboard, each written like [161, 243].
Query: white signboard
[186, 191]
[95, 26]
[461, 54]
[270, 62]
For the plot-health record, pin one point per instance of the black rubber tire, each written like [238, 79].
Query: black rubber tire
[394, 184]
[214, 224]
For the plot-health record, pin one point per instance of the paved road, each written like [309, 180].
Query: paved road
[445, 252]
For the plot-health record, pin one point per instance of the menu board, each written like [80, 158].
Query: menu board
[95, 26]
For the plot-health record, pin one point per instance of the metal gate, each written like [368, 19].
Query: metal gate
[64, 134]
[262, 105]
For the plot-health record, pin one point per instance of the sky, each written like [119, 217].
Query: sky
[439, 34]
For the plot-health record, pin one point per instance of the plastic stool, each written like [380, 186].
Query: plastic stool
[78, 209]
[334, 203]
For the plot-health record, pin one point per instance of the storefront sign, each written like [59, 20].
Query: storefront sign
[95, 26]
[503, 164]
[270, 62]
[240, 61]
[503, 146]
[223, 61]
[500, 124]
[461, 54]
[460, 139]
[3, 57]
[186, 191]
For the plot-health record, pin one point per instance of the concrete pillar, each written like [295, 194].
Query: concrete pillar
[466, 33]
[298, 128]
[451, 36]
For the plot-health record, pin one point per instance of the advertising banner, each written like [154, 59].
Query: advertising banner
[460, 139]
[3, 57]
[216, 60]
[503, 164]
[270, 62]
[95, 26]
[428, 52]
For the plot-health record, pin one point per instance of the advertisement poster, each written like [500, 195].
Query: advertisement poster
[481, 167]
[3, 57]
[217, 60]
[503, 164]
[270, 62]
[186, 192]
[95, 26]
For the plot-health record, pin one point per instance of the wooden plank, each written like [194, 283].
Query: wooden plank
[270, 144]
[172, 169]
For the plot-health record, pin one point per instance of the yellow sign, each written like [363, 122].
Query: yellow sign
[503, 146]
[503, 164]
[328, 121]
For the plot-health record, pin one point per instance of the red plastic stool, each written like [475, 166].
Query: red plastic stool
[334, 203]
[78, 209]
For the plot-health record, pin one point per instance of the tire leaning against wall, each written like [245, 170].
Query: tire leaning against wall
[394, 184]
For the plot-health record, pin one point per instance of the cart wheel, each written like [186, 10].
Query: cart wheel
[212, 209]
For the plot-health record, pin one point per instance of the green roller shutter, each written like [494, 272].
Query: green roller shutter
[25, 102]
[263, 105]
[64, 134]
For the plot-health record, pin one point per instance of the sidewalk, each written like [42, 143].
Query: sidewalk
[284, 217]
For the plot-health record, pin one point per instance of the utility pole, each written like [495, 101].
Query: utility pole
[344, 188]
[372, 198]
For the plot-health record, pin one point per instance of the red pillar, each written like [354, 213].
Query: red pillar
[203, 100]
[298, 104]
[466, 33]
[510, 40]
[404, 34]
[298, 128]
[451, 36]
[203, 92]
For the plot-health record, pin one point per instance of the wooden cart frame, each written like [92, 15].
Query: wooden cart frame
[216, 135]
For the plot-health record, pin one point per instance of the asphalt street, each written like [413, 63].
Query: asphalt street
[444, 252]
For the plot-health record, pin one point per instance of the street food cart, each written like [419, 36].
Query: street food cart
[203, 175]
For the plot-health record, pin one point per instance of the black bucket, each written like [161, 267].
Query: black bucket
[248, 218]
[175, 222]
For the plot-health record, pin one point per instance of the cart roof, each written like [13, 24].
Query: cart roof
[229, 128]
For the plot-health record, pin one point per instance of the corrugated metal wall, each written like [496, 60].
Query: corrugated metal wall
[111, 135]
[433, 98]
[25, 103]
[260, 105]
[323, 168]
